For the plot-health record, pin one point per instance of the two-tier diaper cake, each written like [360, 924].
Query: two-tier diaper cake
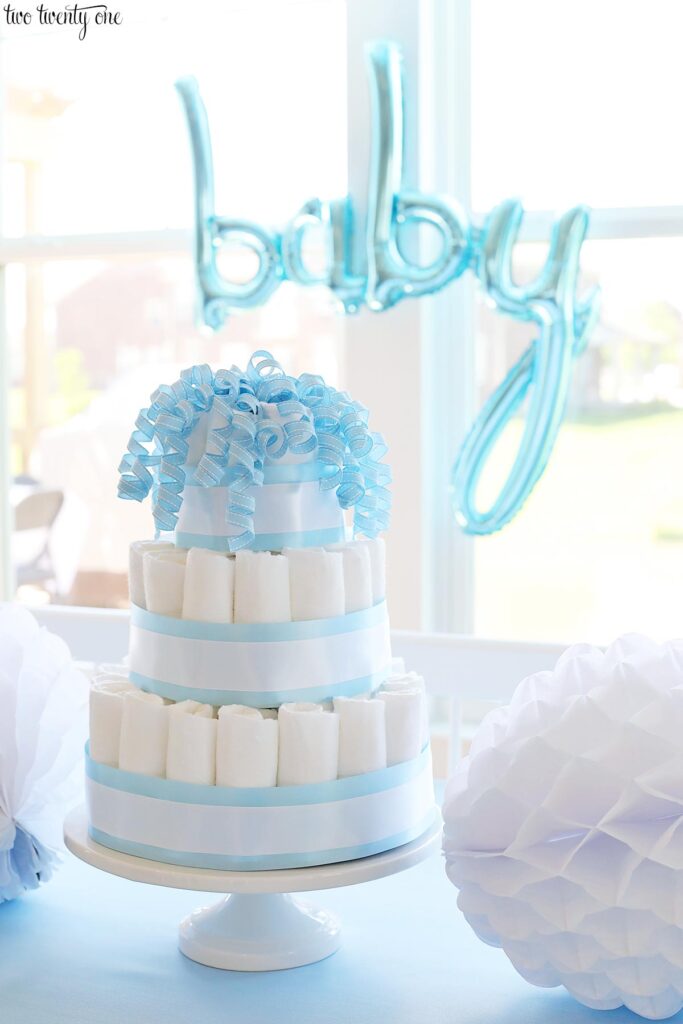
[260, 722]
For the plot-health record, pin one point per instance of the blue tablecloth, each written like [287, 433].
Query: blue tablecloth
[89, 948]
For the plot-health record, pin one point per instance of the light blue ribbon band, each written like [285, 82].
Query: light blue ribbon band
[261, 632]
[287, 511]
[260, 698]
[265, 796]
[264, 541]
[264, 862]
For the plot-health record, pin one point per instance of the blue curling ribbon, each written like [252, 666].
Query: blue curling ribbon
[135, 477]
[314, 418]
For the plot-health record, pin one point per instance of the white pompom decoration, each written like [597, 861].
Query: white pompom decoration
[43, 727]
[564, 827]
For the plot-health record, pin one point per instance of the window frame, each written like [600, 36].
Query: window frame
[425, 544]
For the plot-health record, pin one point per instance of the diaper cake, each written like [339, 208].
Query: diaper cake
[260, 721]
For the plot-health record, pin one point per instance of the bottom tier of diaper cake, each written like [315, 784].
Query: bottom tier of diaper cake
[256, 829]
[248, 789]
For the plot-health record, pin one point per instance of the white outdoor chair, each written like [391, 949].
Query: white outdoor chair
[34, 517]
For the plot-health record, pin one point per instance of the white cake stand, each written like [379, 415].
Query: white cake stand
[260, 926]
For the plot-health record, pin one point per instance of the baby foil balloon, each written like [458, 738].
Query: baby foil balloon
[564, 827]
[366, 264]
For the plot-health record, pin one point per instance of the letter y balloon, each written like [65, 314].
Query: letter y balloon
[543, 373]
[367, 265]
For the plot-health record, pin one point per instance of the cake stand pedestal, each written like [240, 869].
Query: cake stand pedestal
[260, 926]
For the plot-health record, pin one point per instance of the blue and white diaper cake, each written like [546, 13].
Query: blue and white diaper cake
[261, 722]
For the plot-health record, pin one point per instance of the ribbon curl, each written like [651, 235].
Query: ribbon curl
[312, 419]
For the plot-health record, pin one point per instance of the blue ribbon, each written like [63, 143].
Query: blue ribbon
[256, 796]
[258, 632]
[265, 862]
[315, 419]
[261, 698]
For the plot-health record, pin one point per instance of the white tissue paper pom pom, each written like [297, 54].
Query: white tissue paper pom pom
[564, 827]
[43, 727]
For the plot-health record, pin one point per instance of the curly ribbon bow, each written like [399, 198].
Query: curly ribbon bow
[312, 418]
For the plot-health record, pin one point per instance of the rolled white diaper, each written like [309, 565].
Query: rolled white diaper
[316, 583]
[191, 754]
[357, 575]
[164, 574]
[399, 683]
[404, 724]
[378, 559]
[261, 587]
[247, 747]
[362, 735]
[309, 744]
[209, 589]
[144, 733]
[106, 709]
[136, 580]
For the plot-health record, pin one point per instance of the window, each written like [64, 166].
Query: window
[597, 549]
[100, 306]
[99, 285]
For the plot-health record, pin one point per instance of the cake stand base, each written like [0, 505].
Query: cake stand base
[269, 932]
[259, 926]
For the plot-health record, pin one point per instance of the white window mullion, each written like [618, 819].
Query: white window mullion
[448, 336]
[382, 361]
[414, 364]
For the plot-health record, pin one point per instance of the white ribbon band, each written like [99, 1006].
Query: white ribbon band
[259, 836]
[263, 672]
[286, 514]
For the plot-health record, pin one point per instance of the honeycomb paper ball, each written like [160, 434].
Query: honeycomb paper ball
[43, 728]
[564, 827]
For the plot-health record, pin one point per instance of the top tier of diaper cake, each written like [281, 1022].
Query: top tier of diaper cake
[256, 459]
[254, 592]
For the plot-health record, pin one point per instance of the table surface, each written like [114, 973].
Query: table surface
[91, 948]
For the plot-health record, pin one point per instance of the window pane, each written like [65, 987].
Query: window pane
[90, 341]
[598, 548]
[97, 141]
[576, 103]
